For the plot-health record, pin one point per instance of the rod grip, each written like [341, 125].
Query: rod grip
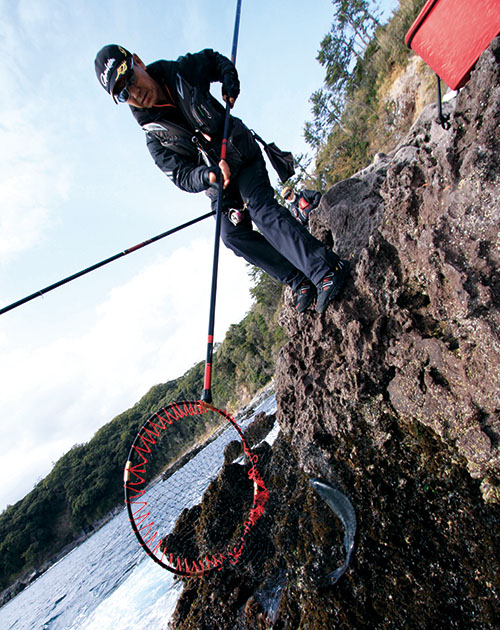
[207, 396]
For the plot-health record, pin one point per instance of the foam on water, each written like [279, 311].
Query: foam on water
[148, 599]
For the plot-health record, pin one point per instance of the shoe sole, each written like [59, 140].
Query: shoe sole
[335, 290]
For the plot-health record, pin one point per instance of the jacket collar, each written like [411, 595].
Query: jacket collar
[164, 72]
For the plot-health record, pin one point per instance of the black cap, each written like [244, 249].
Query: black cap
[111, 63]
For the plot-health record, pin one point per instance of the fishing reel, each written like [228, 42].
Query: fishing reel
[236, 216]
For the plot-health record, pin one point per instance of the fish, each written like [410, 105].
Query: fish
[342, 507]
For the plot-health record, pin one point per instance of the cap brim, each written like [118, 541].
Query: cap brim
[113, 81]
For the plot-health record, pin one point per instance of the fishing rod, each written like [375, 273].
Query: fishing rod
[104, 262]
[207, 383]
[151, 452]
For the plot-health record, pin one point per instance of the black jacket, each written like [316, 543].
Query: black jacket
[184, 156]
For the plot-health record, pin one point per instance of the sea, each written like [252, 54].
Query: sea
[108, 582]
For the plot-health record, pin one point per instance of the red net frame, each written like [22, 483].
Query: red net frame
[136, 486]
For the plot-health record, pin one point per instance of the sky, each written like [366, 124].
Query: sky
[77, 185]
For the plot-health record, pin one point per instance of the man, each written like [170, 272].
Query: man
[184, 128]
[302, 203]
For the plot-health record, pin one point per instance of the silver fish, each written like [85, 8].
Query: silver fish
[344, 510]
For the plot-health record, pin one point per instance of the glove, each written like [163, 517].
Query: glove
[206, 176]
[215, 174]
[230, 86]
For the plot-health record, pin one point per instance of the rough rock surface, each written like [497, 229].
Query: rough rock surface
[393, 395]
[420, 322]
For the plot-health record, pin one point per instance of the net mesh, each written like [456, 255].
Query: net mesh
[170, 492]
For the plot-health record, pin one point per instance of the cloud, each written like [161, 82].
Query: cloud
[32, 180]
[147, 331]
[60, 387]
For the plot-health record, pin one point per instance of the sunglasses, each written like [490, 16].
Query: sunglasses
[122, 95]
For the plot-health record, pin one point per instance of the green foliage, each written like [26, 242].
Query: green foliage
[350, 121]
[340, 52]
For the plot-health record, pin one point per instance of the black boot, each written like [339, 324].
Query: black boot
[331, 284]
[305, 296]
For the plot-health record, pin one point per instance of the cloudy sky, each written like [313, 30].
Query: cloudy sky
[77, 185]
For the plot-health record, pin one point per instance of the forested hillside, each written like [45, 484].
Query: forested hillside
[354, 113]
[85, 484]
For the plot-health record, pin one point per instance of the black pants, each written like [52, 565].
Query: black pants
[282, 247]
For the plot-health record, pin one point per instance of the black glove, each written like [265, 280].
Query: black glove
[206, 176]
[230, 86]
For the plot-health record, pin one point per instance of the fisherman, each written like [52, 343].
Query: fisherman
[184, 124]
[301, 204]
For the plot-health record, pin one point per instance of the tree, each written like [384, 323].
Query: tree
[343, 53]
[327, 109]
[340, 51]
[356, 16]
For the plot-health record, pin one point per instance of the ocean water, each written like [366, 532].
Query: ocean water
[108, 582]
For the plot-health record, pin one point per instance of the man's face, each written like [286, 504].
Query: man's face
[145, 91]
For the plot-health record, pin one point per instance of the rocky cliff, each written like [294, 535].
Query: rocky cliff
[392, 396]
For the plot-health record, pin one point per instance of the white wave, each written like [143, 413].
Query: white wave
[147, 599]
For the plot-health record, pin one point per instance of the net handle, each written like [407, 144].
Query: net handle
[207, 381]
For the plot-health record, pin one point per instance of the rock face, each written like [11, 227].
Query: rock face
[395, 392]
[393, 396]
[417, 334]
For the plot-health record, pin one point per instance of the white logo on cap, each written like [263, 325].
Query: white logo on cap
[107, 69]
